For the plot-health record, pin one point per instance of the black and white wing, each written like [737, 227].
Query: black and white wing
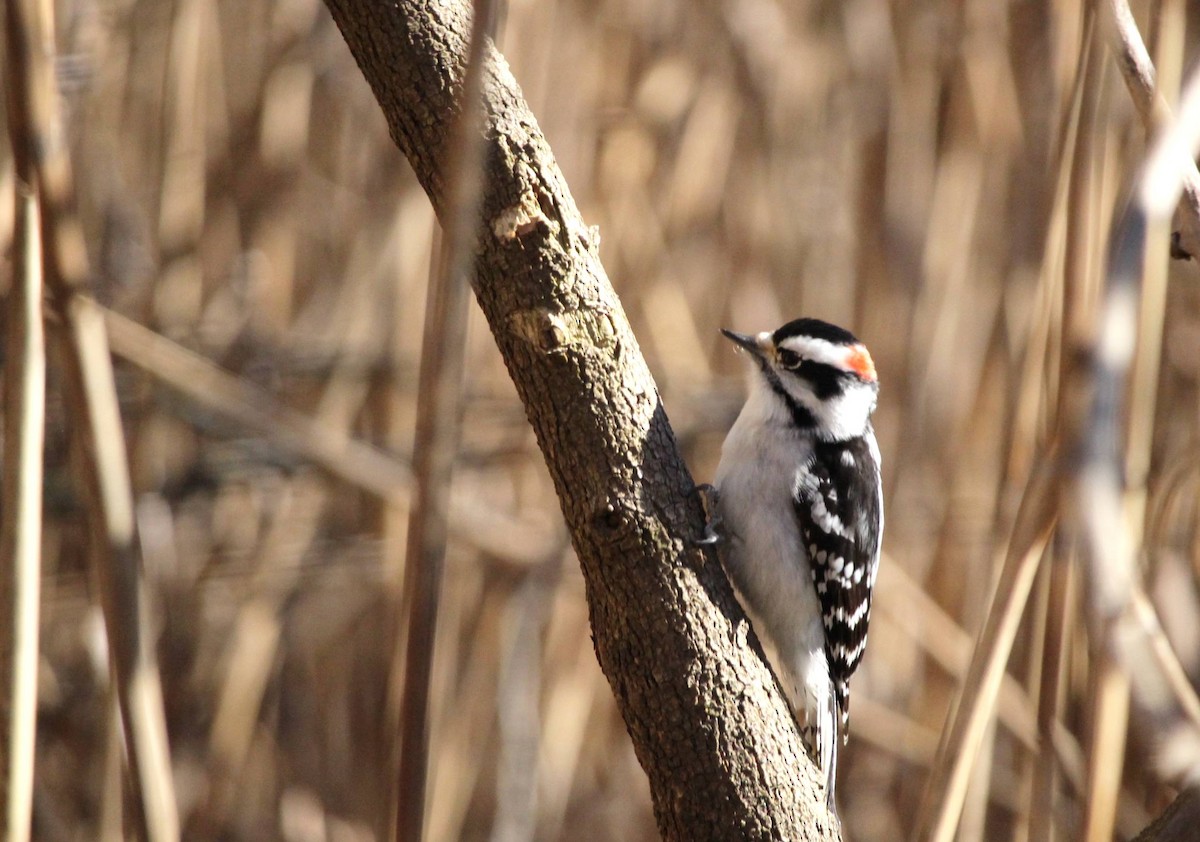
[839, 508]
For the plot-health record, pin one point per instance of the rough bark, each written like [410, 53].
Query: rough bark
[708, 724]
[1178, 822]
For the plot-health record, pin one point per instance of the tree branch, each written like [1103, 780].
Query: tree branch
[708, 723]
[1121, 618]
[1137, 69]
[1177, 823]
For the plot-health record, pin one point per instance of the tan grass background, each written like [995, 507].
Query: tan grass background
[913, 170]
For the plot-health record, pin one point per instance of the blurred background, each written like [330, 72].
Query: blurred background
[913, 170]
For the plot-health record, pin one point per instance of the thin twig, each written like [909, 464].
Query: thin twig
[1173, 672]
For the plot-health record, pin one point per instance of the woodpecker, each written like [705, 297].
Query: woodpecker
[800, 503]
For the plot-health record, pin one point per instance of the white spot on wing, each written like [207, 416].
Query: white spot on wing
[828, 522]
[855, 618]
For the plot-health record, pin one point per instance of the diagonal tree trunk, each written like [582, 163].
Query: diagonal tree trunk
[1177, 823]
[708, 723]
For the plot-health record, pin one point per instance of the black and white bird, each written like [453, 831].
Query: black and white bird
[800, 503]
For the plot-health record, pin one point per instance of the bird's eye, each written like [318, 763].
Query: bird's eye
[789, 359]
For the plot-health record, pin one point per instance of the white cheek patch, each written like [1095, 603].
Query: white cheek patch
[842, 417]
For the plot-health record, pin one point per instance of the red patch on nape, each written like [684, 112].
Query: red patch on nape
[859, 361]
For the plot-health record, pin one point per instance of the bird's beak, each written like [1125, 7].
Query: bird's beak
[760, 345]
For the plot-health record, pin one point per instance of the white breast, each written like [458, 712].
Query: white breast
[763, 552]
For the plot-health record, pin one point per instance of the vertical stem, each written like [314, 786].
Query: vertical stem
[20, 536]
[1050, 691]
[1106, 749]
[439, 400]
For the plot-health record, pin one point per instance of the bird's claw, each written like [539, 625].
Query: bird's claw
[709, 498]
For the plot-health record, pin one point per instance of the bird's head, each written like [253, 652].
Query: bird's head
[820, 373]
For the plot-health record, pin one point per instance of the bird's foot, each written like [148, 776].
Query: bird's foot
[709, 497]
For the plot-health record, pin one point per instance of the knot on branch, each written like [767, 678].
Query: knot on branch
[608, 517]
[522, 219]
[557, 331]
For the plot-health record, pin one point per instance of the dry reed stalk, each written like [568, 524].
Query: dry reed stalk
[518, 711]
[326, 445]
[1051, 687]
[21, 527]
[1106, 748]
[574, 690]
[463, 729]
[100, 440]
[1144, 385]
[1023, 766]
[256, 410]
[964, 733]
[1169, 44]
[110, 825]
[439, 399]
[177, 296]
[988, 783]
[1173, 673]
[906, 605]
[92, 392]
[1065, 283]
[253, 645]
[892, 733]
[1082, 251]
[1108, 688]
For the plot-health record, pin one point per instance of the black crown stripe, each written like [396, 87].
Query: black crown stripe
[817, 329]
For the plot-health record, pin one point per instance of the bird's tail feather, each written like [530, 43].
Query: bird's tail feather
[821, 734]
[827, 742]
